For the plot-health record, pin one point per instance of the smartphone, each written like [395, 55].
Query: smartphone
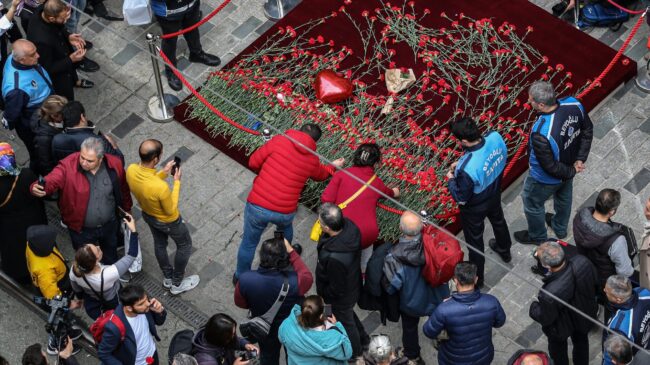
[327, 310]
[177, 164]
[41, 181]
[123, 214]
[278, 235]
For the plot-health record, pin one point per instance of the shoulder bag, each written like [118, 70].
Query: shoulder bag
[257, 328]
[317, 230]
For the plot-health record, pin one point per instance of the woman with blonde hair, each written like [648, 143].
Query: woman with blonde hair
[45, 124]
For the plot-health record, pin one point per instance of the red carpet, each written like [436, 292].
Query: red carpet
[579, 53]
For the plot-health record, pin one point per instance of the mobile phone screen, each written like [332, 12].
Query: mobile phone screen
[327, 310]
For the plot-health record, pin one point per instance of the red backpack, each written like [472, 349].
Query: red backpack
[442, 252]
[97, 328]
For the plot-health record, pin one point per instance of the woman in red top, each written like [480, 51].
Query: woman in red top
[362, 210]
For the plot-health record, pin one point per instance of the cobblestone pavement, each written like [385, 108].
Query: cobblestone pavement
[215, 187]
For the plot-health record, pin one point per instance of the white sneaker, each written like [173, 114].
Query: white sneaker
[167, 283]
[188, 283]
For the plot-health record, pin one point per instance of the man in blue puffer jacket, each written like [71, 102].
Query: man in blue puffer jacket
[468, 317]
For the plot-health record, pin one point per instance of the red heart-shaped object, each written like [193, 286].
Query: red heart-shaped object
[331, 88]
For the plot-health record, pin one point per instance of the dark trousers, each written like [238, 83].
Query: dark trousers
[558, 349]
[271, 347]
[105, 236]
[176, 23]
[473, 221]
[178, 231]
[27, 136]
[410, 339]
[354, 328]
[94, 307]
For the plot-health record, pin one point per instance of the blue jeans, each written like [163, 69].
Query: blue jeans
[75, 15]
[256, 219]
[535, 195]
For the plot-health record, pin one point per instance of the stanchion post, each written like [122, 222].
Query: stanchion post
[277, 9]
[159, 107]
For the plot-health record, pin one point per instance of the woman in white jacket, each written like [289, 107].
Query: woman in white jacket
[97, 283]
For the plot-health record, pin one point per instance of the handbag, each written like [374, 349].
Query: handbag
[317, 229]
[137, 12]
[257, 328]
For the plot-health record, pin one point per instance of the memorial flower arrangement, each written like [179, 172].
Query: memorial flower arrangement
[470, 67]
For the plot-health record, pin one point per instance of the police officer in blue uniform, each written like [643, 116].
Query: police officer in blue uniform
[25, 86]
[475, 185]
[559, 145]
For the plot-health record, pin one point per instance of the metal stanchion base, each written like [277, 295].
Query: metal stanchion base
[643, 81]
[272, 11]
[156, 114]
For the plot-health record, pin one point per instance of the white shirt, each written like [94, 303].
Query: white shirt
[143, 339]
[5, 24]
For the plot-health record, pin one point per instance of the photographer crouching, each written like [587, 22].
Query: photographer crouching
[49, 273]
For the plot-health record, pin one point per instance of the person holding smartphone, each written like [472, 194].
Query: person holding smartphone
[96, 283]
[160, 210]
[311, 338]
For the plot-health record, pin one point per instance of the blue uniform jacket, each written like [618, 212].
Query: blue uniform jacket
[24, 89]
[632, 320]
[559, 139]
[478, 174]
[468, 319]
[113, 352]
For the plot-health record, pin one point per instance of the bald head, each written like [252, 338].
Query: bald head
[24, 52]
[410, 224]
[532, 359]
[150, 150]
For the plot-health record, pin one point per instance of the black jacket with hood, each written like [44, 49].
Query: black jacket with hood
[208, 354]
[338, 271]
[43, 135]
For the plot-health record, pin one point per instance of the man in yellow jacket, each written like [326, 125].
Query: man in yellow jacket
[49, 273]
[160, 210]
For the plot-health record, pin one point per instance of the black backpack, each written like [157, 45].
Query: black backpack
[181, 343]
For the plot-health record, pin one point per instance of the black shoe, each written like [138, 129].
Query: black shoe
[101, 11]
[88, 65]
[235, 280]
[298, 248]
[506, 257]
[74, 333]
[85, 84]
[206, 59]
[174, 82]
[523, 238]
[538, 270]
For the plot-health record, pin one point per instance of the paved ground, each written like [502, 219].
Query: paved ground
[215, 187]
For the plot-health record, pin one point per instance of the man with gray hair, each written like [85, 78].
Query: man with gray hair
[560, 141]
[403, 274]
[632, 318]
[91, 186]
[338, 272]
[573, 281]
[25, 86]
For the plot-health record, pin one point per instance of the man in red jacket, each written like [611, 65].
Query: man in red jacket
[285, 164]
[92, 186]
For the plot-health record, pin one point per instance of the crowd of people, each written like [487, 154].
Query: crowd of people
[84, 171]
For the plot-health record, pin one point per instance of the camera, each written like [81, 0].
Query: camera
[247, 355]
[60, 321]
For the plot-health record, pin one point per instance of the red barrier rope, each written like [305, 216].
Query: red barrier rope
[202, 99]
[200, 23]
[635, 12]
[611, 64]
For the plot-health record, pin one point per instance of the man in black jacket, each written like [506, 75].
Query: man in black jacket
[76, 129]
[338, 272]
[56, 46]
[560, 142]
[574, 281]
